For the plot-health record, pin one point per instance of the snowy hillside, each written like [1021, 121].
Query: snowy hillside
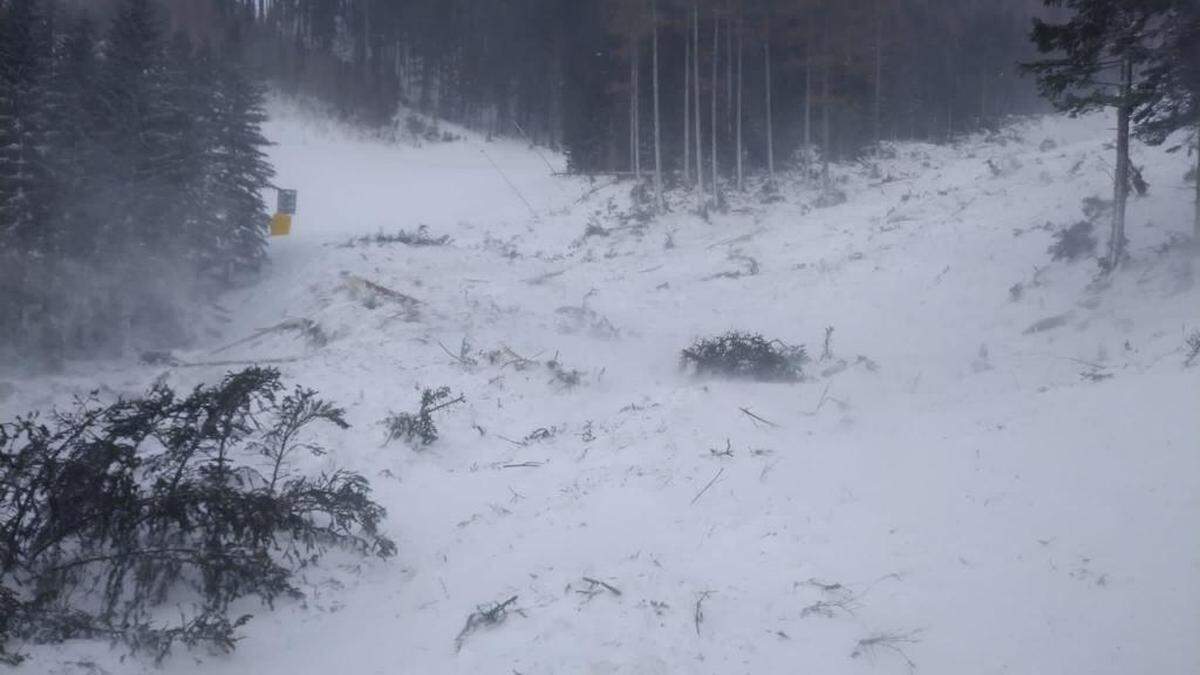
[995, 469]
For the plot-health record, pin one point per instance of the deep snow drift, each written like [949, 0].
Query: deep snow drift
[997, 470]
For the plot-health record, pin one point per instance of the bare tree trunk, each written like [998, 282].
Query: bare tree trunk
[637, 110]
[716, 88]
[633, 114]
[1196, 225]
[808, 54]
[741, 83]
[770, 126]
[658, 185]
[1116, 243]
[729, 76]
[687, 111]
[826, 110]
[696, 105]
[876, 118]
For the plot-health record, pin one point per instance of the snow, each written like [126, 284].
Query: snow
[975, 496]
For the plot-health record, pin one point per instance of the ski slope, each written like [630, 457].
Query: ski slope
[979, 478]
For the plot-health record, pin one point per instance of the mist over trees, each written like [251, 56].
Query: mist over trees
[131, 163]
[822, 76]
[131, 175]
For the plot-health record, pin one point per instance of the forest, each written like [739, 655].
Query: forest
[796, 77]
[131, 129]
[653, 336]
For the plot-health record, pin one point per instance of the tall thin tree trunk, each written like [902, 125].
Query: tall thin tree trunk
[716, 88]
[658, 185]
[633, 114]
[770, 125]
[729, 76]
[808, 53]
[687, 110]
[1116, 243]
[637, 110]
[826, 111]
[1196, 225]
[741, 83]
[696, 104]
[876, 118]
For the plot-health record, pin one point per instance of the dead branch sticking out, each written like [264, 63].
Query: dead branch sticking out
[698, 616]
[890, 641]
[464, 353]
[759, 419]
[727, 452]
[506, 357]
[706, 487]
[410, 304]
[596, 587]
[307, 328]
[543, 278]
[483, 617]
[228, 364]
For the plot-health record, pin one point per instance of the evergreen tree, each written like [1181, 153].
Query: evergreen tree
[1169, 93]
[137, 128]
[76, 159]
[1097, 54]
[25, 181]
[240, 174]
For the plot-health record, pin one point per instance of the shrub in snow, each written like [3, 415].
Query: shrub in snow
[1074, 242]
[420, 128]
[418, 428]
[419, 238]
[745, 355]
[1192, 348]
[111, 511]
[830, 196]
[562, 376]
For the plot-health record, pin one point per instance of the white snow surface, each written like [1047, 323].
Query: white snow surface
[952, 492]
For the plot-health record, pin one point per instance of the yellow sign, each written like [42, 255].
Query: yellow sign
[281, 224]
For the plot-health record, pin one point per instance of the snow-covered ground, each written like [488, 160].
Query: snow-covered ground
[996, 471]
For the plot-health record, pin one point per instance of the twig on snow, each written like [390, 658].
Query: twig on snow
[483, 616]
[225, 364]
[706, 487]
[759, 419]
[820, 403]
[699, 614]
[596, 586]
[890, 641]
[522, 465]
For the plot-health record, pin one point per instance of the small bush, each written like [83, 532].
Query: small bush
[745, 355]
[418, 428]
[111, 511]
[419, 238]
[1074, 242]
[1192, 349]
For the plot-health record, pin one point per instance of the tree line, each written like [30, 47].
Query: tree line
[825, 77]
[702, 92]
[131, 175]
